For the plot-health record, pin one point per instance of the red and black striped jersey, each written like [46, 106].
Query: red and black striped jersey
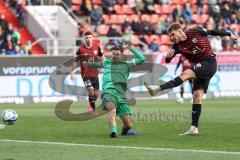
[196, 47]
[89, 55]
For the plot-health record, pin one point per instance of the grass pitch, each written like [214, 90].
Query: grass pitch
[39, 134]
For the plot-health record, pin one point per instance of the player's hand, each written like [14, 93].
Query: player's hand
[170, 53]
[128, 45]
[233, 37]
[72, 77]
[84, 63]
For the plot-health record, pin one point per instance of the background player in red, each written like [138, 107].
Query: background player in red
[89, 52]
[186, 64]
[195, 46]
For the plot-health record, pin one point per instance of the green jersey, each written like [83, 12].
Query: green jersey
[116, 74]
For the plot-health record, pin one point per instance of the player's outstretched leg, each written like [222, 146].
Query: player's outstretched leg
[111, 108]
[196, 112]
[186, 75]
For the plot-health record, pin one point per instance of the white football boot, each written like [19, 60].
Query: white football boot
[192, 131]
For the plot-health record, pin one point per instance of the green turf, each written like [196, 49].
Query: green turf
[158, 122]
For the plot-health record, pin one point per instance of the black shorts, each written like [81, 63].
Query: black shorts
[204, 71]
[91, 82]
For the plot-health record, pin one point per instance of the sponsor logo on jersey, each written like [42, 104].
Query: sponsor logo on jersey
[194, 40]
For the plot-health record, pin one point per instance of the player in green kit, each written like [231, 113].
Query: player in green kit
[116, 73]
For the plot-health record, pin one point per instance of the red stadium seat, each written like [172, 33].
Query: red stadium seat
[197, 18]
[167, 9]
[147, 38]
[158, 9]
[163, 17]
[127, 10]
[76, 2]
[76, 9]
[164, 48]
[106, 19]
[154, 18]
[114, 19]
[165, 39]
[146, 17]
[193, 1]
[103, 29]
[134, 16]
[204, 18]
[118, 9]
[99, 2]
[178, 1]
[121, 18]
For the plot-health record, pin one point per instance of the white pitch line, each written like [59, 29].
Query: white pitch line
[122, 147]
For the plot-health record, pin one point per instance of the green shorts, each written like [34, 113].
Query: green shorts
[119, 100]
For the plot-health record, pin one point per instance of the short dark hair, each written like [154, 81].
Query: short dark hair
[173, 27]
[88, 33]
[117, 48]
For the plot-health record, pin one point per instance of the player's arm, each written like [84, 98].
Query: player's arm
[138, 57]
[171, 54]
[100, 54]
[178, 64]
[220, 33]
[93, 64]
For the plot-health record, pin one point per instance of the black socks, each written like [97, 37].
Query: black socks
[196, 111]
[171, 84]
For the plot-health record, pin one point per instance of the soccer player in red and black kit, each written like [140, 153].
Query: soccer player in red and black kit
[195, 46]
[186, 64]
[89, 52]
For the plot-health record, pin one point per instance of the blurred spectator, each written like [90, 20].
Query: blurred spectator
[235, 5]
[96, 16]
[143, 40]
[127, 35]
[216, 43]
[28, 48]
[226, 13]
[234, 19]
[187, 12]
[125, 24]
[139, 6]
[200, 7]
[154, 46]
[137, 27]
[3, 23]
[113, 32]
[86, 7]
[216, 15]
[108, 6]
[161, 27]
[148, 7]
[9, 29]
[2, 39]
[9, 45]
[15, 36]
[176, 14]
[147, 27]
[20, 13]
[18, 50]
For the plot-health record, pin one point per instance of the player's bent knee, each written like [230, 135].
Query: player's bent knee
[197, 97]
